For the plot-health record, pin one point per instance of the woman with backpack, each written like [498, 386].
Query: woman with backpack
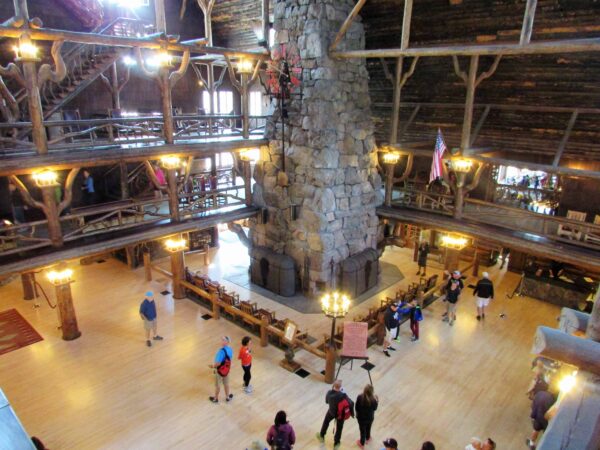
[281, 435]
[366, 405]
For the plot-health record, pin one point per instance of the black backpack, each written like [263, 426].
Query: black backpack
[280, 442]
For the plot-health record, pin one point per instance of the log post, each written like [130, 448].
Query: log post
[528, 17]
[476, 263]
[216, 309]
[459, 196]
[468, 116]
[66, 310]
[555, 344]
[178, 271]
[123, 179]
[389, 183]
[264, 334]
[245, 107]
[167, 104]
[160, 17]
[396, 101]
[51, 210]
[452, 259]
[34, 102]
[28, 282]
[147, 266]
[172, 192]
[330, 360]
[115, 91]
[206, 255]
[247, 174]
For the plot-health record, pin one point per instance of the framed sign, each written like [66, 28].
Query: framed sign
[289, 333]
[355, 339]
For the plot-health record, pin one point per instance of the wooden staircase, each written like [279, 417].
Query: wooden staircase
[84, 63]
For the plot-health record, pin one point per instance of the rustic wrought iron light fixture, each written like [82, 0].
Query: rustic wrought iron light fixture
[60, 277]
[27, 52]
[171, 162]
[47, 178]
[455, 242]
[176, 245]
[461, 165]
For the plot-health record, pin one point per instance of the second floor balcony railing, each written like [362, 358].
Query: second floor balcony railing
[576, 232]
[126, 131]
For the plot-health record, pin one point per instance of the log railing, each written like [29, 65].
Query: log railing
[496, 214]
[94, 133]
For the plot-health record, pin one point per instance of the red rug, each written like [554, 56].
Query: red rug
[15, 331]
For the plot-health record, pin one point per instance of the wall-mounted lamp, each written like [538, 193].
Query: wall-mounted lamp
[245, 66]
[391, 158]
[176, 245]
[461, 165]
[60, 277]
[454, 242]
[26, 51]
[171, 162]
[47, 178]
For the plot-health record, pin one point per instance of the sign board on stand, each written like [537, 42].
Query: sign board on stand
[354, 346]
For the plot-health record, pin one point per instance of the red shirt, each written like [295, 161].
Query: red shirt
[245, 355]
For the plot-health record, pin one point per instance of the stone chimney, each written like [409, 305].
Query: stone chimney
[325, 211]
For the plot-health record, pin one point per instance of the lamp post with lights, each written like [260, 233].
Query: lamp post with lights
[62, 278]
[336, 306]
[461, 167]
[176, 247]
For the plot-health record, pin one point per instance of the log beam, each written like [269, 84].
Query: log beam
[347, 24]
[565, 138]
[593, 330]
[573, 321]
[527, 28]
[555, 344]
[406, 20]
[537, 48]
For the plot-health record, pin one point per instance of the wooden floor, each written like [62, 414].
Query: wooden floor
[108, 390]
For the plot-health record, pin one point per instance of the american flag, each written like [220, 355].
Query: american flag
[438, 153]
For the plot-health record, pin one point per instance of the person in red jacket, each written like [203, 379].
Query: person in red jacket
[245, 355]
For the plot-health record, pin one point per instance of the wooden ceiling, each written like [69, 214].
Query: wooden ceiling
[567, 81]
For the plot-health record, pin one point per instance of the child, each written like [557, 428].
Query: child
[416, 315]
[403, 309]
[245, 356]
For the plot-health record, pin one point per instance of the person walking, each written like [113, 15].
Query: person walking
[281, 435]
[89, 193]
[340, 408]
[245, 356]
[422, 257]
[221, 366]
[366, 405]
[483, 292]
[390, 322]
[453, 288]
[542, 402]
[415, 316]
[148, 314]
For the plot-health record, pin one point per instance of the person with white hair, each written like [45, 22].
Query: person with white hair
[221, 366]
[483, 292]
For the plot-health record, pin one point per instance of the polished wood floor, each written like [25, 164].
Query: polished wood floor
[108, 390]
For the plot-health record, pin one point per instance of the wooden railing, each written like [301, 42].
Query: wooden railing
[497, 214]
[94, 133]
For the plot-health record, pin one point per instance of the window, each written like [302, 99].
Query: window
[206, 102]
[225, 105]
[256, 99]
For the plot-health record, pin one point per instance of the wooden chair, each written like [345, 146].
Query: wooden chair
[570, 231]
[250, 309]
[593, 238]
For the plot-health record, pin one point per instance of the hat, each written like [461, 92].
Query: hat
[226, 339]
[391, 442]
[485, 275]
[394, 304]
[456, 272]
[149, 294]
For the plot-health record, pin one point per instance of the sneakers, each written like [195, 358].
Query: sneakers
[451, 322]
[397, 339]
[386, 353]
[359, 444]
[213, 399]
[445, 314]
[530, 444]
[148, 343]
[419, 272]
[320, 438]
[478, 317]
[445, 319]
[336, 446]
[158, 338]
[229, 398]
[392, 349]
[483, 316]
[248, 389]
[413, 339]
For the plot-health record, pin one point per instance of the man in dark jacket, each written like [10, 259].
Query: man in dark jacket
[391, 322]
[483, 292]
[333, 398]
[542, 402]
[453, 289]
[422, 257]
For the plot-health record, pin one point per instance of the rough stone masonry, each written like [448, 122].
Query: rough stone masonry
[330, 153]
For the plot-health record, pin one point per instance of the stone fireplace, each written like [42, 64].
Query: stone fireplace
[322, 210]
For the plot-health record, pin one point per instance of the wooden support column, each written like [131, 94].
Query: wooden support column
[51, 210]
[465, 139]
[266, 23]
[452, 261]
[389, 183]
[167, 104]
[528, 17]
[406, 19]
[264, 334]
[213, 165]
[115, 91]
[216, 309]
[160, 18]
[245, 107]
[66, 310]
[396, 101]
[28, 283]
[476, 258]
[147, 266]
[34, 103]
[247, 174]
[123, 180]
[330, 360]
[178, 271]
[172, 193]
[565, 138]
